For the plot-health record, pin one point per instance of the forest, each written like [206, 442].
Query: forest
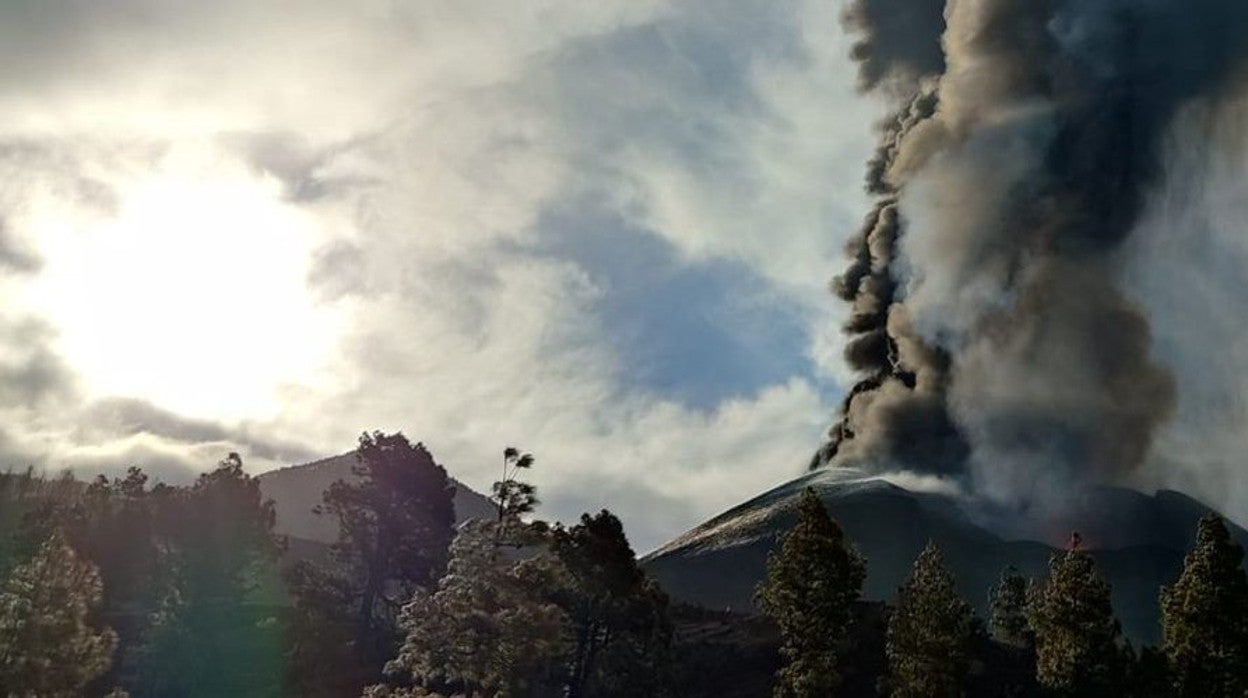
[120, 587]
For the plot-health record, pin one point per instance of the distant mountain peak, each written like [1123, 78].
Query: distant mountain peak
[297, 489]
[1139, 539]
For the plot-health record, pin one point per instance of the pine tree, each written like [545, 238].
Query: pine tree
[48, 647]
[1078, 641]
[571, 613]
[620, 629]
[812, 581]
[210, 637]
[1205, 617]
[491, 625]
[1008, 604]
[115, 528]
[396, 523]
[929, 633]
[488, 628]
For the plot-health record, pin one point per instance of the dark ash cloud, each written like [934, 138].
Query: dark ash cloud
[898, 39]
[988, 322]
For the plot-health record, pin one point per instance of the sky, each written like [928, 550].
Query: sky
[601, 232]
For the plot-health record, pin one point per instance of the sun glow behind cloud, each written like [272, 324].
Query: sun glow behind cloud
[192, 294]
[264, 230]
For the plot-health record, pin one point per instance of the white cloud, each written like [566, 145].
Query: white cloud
[411, 150]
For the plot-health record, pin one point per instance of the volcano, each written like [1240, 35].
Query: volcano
[1138, 540]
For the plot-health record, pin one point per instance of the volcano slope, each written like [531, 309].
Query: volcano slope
[1139, 541]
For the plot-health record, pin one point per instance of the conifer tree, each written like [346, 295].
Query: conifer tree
[209, 637]
[618, 617]
[1078, 641]
[812, 581]
[1008, 608]
[491, 625]
[929, 633]
[572, 614]
[1205, 617]
[488, 628]
[48, 647]
[396, 522]
[115, 527]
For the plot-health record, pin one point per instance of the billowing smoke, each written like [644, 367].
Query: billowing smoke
[994, 341]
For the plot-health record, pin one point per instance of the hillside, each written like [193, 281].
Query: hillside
[1139, 541]
[296, 490]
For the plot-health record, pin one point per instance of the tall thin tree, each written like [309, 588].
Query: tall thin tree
[1205, 617]
[929, 633]
[812, 581]
[1079, 644]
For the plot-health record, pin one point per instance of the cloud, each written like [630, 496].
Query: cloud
[597, 231]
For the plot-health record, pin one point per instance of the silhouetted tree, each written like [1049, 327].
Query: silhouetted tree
[19, 496]
[1150, 675]
[929, 633]
[32, 509]
[48, 647]
[395, 523]
[115, 527]
[1079, 648]
[813, 578]
[621, 634]
[514, 497]
[1205, 617]
[322, 662]
[1008, 609]
[530, 610]
[211, 637]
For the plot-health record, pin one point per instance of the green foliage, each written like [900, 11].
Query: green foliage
[48, 647]
[929, 633]
[489, 627]
[395, 524]
[32, 508]
[529, 610]
[812, 580]
[114, 524]
[211, 637]
[397, 521]
[1079, 645]
[1008, 610]
[618, 618]
[322, 630]
[222, 528]
[1205, 617]
[514, 497]
[1150, 675]
[211, 648]
[383, 691]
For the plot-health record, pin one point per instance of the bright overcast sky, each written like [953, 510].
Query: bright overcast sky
[601, 231]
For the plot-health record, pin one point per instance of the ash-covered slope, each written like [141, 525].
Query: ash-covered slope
[296, 490]
[1139, 541]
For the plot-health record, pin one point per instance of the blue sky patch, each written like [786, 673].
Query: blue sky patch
[696, 332]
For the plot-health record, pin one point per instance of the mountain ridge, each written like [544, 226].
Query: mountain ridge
[1139, 541]
[297, 489]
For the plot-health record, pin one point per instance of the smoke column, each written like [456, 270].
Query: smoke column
[988, 325]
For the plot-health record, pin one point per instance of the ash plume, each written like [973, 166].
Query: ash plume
[987, 322]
